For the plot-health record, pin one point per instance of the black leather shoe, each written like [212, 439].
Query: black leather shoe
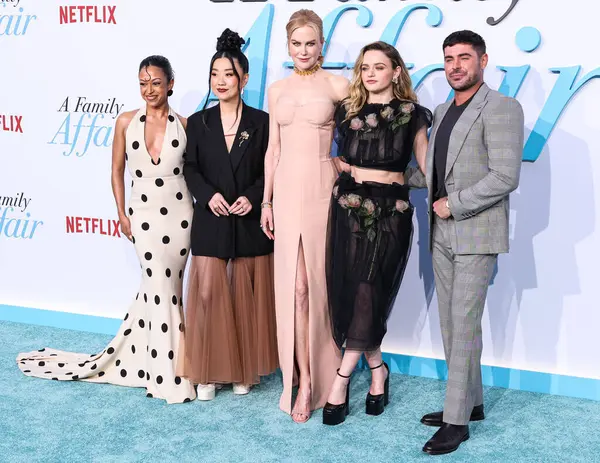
[334, 414]
[435, 419]
[447, 439]
[375, 404]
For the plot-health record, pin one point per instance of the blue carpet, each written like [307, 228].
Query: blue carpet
[50, 421]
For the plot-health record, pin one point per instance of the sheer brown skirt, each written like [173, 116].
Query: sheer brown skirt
[230, 328]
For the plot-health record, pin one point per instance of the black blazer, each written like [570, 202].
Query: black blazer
[208, 169]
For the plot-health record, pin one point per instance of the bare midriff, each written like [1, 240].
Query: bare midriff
[362, 175]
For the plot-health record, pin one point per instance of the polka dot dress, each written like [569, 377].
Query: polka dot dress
[144, 351]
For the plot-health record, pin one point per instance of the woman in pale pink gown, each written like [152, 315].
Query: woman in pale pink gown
[299, 176]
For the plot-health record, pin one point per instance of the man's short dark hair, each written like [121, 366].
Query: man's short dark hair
[466, 37]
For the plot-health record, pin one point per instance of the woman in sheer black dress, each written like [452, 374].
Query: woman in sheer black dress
[370, 223]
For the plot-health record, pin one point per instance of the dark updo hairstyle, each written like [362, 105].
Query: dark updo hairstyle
[229, 45]
[162, 63]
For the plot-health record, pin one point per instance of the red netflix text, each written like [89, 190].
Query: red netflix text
[107, 227]
[87, 14]
[11, 123]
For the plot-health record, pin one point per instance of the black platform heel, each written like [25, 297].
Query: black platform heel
[375, 404]
[336, 414]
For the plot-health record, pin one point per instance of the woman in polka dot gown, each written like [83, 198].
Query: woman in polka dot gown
[144, 351]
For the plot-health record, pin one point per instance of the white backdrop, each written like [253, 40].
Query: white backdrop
[542, 311]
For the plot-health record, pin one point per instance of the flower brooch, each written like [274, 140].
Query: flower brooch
[243, 137]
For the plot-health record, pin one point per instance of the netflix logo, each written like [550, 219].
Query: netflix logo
[108, 227]
[104, 14]
[11, 123]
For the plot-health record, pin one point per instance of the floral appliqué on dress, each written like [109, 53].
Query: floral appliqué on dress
[366, 211]
[395, 118]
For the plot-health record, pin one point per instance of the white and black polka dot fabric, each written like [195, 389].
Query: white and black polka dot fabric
[144, 351]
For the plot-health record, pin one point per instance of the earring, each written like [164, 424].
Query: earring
[242, 91]
[395, 80]
[170, 92]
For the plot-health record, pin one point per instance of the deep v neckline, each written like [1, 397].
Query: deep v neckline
[162, 147]
[235, 137]
[237, 132]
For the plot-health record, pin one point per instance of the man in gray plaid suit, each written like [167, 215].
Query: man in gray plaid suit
[473, 163]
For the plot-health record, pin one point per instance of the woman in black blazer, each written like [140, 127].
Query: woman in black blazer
[230, 331]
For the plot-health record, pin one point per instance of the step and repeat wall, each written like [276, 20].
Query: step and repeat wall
[70, 68]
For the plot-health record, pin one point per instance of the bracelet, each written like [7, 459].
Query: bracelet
[266, 204]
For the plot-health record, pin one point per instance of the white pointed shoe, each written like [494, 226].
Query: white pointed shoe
[241, 389]
[206, 391]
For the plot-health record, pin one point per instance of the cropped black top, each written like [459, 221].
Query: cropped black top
[380, 136]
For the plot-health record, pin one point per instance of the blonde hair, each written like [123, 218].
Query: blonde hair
[303, 18]
[358, 93]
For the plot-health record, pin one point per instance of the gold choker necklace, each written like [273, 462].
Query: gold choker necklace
[308, 72]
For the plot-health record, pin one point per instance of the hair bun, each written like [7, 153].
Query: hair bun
[230, 41]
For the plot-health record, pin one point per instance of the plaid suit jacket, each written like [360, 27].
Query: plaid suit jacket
[483, 166]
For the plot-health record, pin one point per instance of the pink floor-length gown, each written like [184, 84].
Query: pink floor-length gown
[303, 182]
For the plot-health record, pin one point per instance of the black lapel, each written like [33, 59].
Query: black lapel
[242, 139]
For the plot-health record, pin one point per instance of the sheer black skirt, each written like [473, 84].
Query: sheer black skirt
[369, 238]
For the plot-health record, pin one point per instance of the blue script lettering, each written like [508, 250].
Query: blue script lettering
[98, 135]
[15, 228]
[8, 28]
[257, 49]
[564, 89]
